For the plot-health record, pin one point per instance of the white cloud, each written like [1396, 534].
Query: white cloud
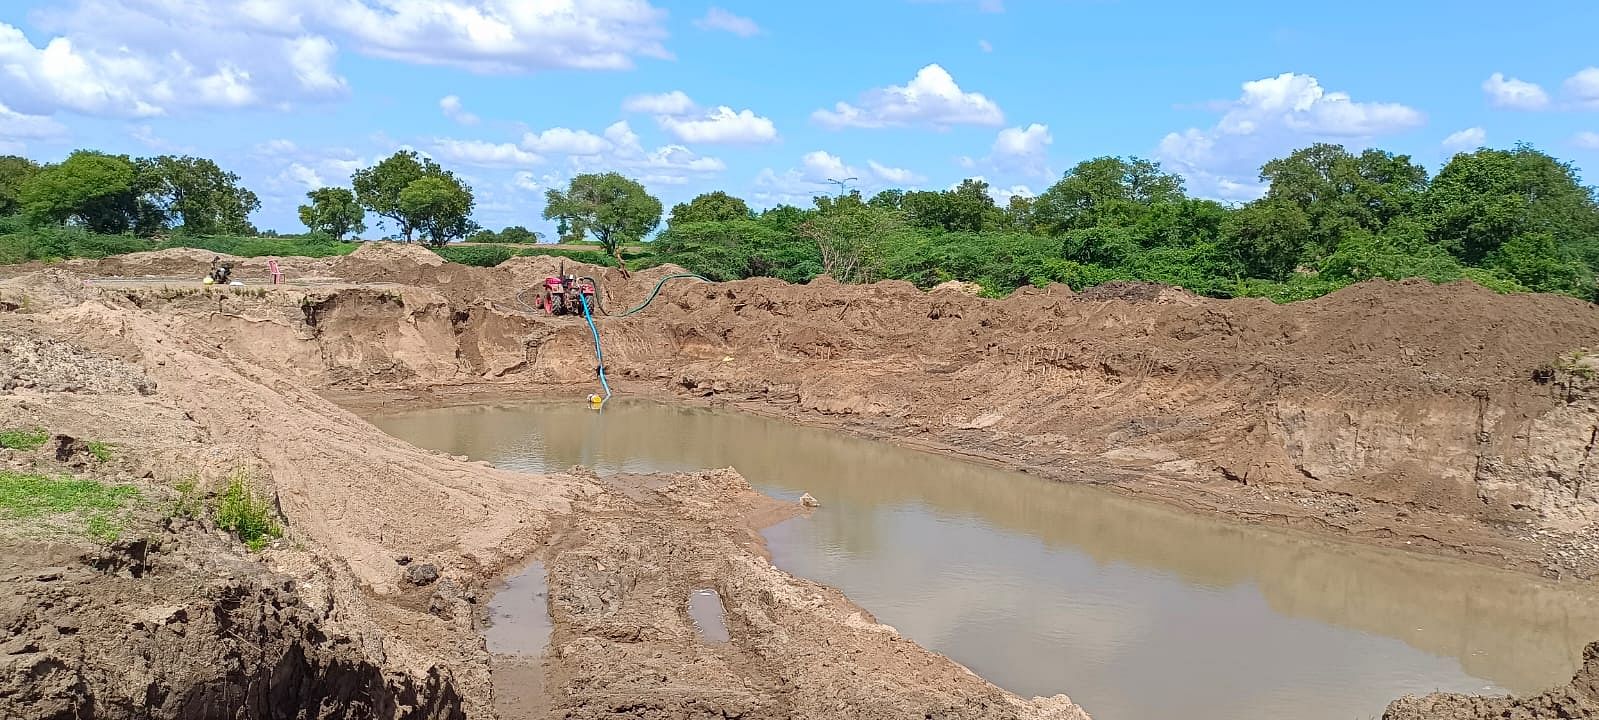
[894, 175]
[816, 171]
[985, 46]
[1468, 139]
[1002, 195]
[565, 141]
[1583, 88]
[138, 58]
[455, 110]
[1271, 117]
[18, 126]
[1023, 149]
[312, 58]
[147, 136]
[667, 164]
[1016, 150]
[931, 98]
[721, 125]
[680, 116]
[719, 19]
[1587, 140]
[303, 176]
[277, 146]
[1514, 94]
[528, 182]
[675, 102]
[483, 154]
[499, 36]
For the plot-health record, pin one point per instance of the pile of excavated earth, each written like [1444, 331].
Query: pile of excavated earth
[1444, 419]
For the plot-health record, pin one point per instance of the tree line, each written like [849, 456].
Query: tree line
[1513, 220]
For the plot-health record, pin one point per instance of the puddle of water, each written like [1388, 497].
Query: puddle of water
[705, 609]
[518, 635]
[1135, 610]
[519, 614]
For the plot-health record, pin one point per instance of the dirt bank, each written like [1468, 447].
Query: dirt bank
[1579, 700]
[332, 621]
[1437, 418]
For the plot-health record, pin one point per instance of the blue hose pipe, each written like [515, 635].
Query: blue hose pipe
[599, 355]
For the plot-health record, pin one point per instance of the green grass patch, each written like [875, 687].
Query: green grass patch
[98, 505]
[245, 513]
[20, 439]
[101, 451]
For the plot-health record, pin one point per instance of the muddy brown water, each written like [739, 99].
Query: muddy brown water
[1136, 610]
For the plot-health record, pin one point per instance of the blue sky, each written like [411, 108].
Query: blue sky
[769, 100]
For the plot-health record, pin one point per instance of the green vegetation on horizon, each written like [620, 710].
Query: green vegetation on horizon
[1512, 220]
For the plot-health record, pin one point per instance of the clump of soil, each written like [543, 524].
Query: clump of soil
[42, 365]
[182, 626]
[1579, 699]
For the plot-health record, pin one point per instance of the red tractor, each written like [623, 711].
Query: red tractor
[566, 294]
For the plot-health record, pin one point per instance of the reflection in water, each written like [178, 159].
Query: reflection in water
[519, 615]
[710, 619]
[1135, 610]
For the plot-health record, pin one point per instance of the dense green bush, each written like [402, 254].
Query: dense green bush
[475, 255]
[242, 511]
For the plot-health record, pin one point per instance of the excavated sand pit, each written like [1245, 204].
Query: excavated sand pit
[1043, 587]
[1434, 419]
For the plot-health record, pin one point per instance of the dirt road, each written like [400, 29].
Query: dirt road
[1442, 419]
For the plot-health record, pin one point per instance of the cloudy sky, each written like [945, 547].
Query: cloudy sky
[771, 100]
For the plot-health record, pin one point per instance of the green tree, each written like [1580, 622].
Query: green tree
[1104, 191]
[966, 208]
[739, 249]
[1180, 224]
[786, 218]
[91, 188]
[1340, 192]
[613, 209]
[193, 194]
[378, 188]
[1267, 238]
[709, 207]
[1538, 261]
[1482, 200]
[851, 236]
[333, 211]
[891, 199]
[518, 234]
[439, 207]
[14, 173]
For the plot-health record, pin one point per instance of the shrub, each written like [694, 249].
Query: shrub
[244, 513]
[187, 504]
[475, 255]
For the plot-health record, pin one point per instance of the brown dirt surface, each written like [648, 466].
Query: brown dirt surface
[194, 264]
[1437, 418]
[1578, 701]
[232, 375]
